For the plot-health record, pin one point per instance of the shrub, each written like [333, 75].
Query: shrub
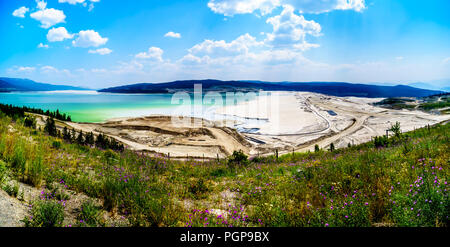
[381, 141]
[12, 190]
[60, 195]
[238, 158]
[56, 144]
[45, 213]
[396, 130]
[90, 214]
[50, 127]
[316, 148]
[29, 122]
[198, 188]
[332, 148]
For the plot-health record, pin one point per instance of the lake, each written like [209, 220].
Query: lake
[94, 107]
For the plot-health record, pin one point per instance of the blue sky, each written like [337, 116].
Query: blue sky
[100, 43]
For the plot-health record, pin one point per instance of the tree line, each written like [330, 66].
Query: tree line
[87, 139]
[19, 112]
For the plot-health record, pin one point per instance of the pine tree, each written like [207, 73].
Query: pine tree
[66, 134]
[80, 139]
[50, 126]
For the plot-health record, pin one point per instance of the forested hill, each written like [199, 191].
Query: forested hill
[17, 84]
[329, 88]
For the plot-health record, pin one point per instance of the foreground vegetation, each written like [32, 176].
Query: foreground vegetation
[396, 181]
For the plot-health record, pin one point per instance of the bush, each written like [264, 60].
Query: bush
[29, 122]
[90, 214]
[45, 213]
[11, 190]
[381, 141]
[316, 148]
[396, 129]
[198, 188]
[60, 195]
[50, 127]
[332, 148]
[238, 158]
[56, 144]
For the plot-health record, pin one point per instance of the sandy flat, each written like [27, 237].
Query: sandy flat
[280, 113]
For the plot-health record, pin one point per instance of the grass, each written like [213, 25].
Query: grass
[90, 215]
[402, 183]
[12, 190]
[45, 213]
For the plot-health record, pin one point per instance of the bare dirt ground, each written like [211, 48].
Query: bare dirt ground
[158, 134]
[12, 211]
[291, 121]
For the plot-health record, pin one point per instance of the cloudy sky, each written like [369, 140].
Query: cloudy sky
[100, 43]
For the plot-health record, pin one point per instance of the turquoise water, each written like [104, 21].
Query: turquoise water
[99, 107]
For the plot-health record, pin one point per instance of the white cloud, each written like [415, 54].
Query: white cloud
[73, 2]
[357, 5]
[446, 60]
[173, 35]
[82, 2]
[190, 59]
[41, 4]
[55, 72]
[241, 45]
[25, 69]
[290, 29]
[91, 6]
[41, 45]
[101, 51]
[154, 53]
[233, 7]
[48, 17]
[20, 12]
[89, 38]
[58, 34]
[49, 69]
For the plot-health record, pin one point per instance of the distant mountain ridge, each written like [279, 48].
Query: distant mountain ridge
[330, 88]
[17, 84]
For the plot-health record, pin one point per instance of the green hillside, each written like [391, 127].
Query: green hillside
[397, 181]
